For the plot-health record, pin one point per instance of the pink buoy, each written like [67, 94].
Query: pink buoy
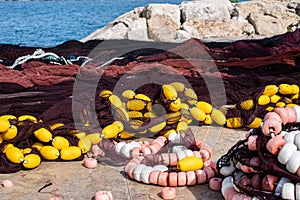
[274, 144]
[173, 179]
[215, 184]
[7, 183]
[241, 197]
[103, 195]
[268, 183]
[191, 178]
[273, 115]
[292, 115]
[283, 113]
[53, 198]
[168, 193]
[229, 193]
[90, 163]
[181, 178]
[252, 142]
[271, 125]
[245, 180]
[153, 177]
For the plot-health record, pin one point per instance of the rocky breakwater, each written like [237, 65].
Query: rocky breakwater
[203, 19]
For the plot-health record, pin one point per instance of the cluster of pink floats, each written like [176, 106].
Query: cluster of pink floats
[162, 170]
[284, 145]
[160, 174]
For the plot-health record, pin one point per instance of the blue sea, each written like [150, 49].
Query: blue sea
[49, 23]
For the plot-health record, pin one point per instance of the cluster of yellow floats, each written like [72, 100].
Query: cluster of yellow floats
[182, 107]
[136, 109]
[49, 147]
[272, 97]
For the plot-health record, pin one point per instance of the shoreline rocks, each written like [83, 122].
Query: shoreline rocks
[203, 19]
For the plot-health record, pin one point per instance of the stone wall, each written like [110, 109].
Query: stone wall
[203, 19]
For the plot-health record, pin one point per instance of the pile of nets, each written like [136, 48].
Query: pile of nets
[213, 73]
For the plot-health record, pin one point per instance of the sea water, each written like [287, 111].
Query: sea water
[49, 23]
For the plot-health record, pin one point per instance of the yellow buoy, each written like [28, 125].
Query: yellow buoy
[136, 104]
[285, 89]
[197, 113]
[234, 122]
[14, 154]
[11, 133]
[190, 93]
[280, 104]
[190, 163]
[206, 107]
[255, 123]
[7, 117]
[263, 100]
[135, 114]
[43, 135]
[128, 94]
[7, 146]
[84, 144]
[55, 126]
[80, 135]
[166, 134]
[70, 153]
[95, 138]
[169, 92]
[26, 150]
[182, 127]
[119, 125]
[295, 89]
[173, 117]
[275, 98]
[175, 105]
[247, 105]
[31, 161]
[142, 97]
[270, 108]
[185, 106]
[150, 115]
[157, 127]
[208, 120]
[4, 125]
[270, 90]
[60, 142]
[218, 117]
[125, 135]
[27, 117]
[105, 94]
[49, 152]
[111, 131]
[37, 145]
[179, 87]
[116, 101]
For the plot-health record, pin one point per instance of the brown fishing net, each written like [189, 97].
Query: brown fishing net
[265, 164]
[25, 139]
[45, 91]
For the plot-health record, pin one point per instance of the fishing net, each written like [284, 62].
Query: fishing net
[45, 90]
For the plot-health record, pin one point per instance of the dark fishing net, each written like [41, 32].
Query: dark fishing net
[45, 91]
[25, 139]
[267, 163]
